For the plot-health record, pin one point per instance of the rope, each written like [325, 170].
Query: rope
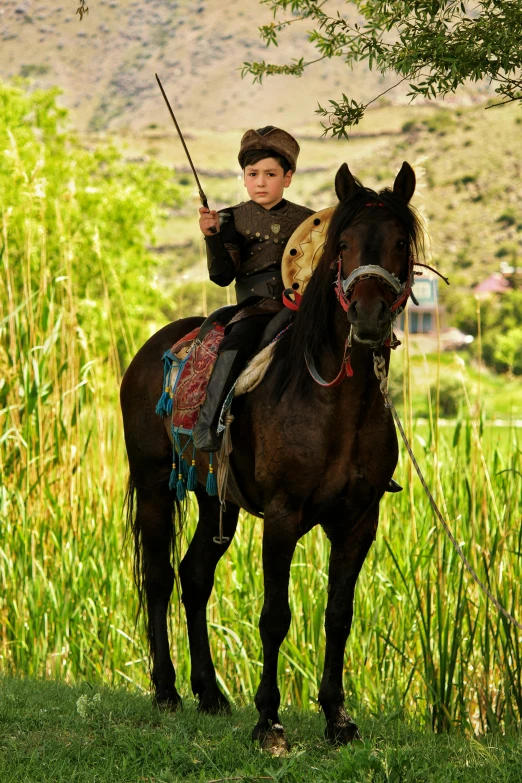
[380, 372]
[222, 475]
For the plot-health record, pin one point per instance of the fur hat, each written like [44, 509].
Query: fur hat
[275, 139]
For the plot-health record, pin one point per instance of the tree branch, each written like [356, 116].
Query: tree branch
[448, 43]
[82, 9]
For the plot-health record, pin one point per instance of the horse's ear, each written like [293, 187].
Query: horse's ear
[404, 185]
[345, 184]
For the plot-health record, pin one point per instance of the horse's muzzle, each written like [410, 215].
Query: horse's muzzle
[370, 321]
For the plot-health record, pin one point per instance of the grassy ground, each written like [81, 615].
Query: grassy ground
[423, 641]
[53, 732]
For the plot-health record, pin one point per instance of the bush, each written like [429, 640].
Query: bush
[86, 215]
[441, 122]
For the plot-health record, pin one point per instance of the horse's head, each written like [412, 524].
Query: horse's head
[373, 236]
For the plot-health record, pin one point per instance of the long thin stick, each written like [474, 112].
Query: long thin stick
[202, 196]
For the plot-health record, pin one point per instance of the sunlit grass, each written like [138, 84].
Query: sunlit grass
[423, 637]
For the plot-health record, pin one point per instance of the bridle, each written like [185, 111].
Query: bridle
[344, 285]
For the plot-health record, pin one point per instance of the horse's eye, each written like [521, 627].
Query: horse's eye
[401, 244]
[343, 246]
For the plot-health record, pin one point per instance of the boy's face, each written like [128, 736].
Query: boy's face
[265, 182]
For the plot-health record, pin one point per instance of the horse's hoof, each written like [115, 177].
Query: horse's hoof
[214, 705]
[171, 703]
[273, 741]
[342, 733]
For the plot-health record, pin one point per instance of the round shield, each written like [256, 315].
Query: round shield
[304, 249]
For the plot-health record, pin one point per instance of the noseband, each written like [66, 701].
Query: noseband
[344, 285]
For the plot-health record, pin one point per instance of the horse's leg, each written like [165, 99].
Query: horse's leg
[197, 579]
[154, 529]
[349, 550]
[280, 537]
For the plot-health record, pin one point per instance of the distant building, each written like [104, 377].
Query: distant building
[427, 330]
[498, 282]
[422, 318]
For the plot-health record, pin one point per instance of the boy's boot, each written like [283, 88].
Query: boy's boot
[205, 436]
[393, 486]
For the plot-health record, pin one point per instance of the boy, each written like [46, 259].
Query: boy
[248, 246]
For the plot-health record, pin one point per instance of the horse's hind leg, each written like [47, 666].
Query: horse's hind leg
[154, 531]
[280, 536]
[196, 574]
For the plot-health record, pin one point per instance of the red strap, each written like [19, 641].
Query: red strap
[341, 296]
[288, 302]
[345, 371]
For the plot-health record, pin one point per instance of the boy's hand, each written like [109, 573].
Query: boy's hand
[208, 221]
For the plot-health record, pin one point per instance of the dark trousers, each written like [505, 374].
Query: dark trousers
[244, 336]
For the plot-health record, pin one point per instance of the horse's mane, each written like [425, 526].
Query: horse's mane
[312, 329]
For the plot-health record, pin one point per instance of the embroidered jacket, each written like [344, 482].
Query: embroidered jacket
[249, 247]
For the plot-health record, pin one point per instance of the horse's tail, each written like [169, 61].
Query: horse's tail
[134, 532]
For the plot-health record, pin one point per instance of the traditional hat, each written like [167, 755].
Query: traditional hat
[277, 140]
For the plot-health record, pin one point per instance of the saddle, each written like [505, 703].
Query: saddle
[188, 365]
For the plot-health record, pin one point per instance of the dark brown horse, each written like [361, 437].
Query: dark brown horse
[305, 454]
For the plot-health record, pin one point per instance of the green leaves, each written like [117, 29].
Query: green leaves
[435, 46]
[84, 213]
[341, 115]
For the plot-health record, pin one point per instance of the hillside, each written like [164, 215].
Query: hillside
[468, 163]
[105, 64]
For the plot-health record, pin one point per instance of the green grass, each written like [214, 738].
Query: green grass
[424, 639]
[53, 732]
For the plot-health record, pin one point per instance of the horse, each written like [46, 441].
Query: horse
[305, 450]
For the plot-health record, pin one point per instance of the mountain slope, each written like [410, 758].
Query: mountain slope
[105, 64]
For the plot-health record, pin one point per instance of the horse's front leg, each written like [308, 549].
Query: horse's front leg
[349, 550]
[280, 537]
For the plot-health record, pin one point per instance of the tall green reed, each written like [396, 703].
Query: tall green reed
[424, 639]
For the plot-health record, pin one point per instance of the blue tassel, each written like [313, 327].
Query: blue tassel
[173, 477]
[164, 406]
[180, 488]
[192, 478]
[183, 469]
[211, 479]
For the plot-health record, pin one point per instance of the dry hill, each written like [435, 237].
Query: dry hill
[105, 64]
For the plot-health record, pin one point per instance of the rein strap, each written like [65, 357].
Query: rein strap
[346, 370]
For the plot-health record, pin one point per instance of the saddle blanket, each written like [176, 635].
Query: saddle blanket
[187, 369]
[192, 365]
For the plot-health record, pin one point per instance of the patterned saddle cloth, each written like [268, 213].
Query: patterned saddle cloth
[188, 366]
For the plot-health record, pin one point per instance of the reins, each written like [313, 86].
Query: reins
[379, 366]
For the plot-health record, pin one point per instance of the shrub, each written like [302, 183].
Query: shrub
[86, 215]
[441, 122]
